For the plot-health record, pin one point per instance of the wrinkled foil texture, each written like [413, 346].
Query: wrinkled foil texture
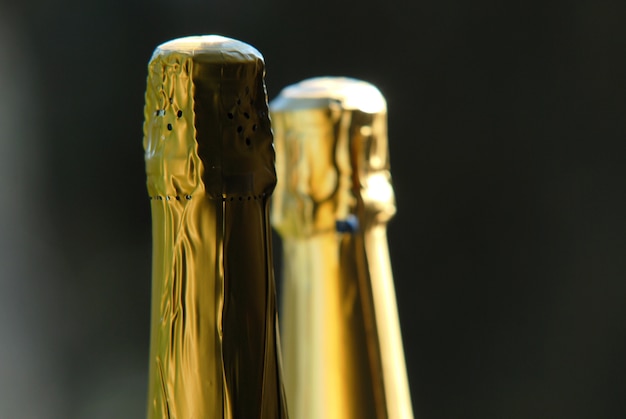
[210, 172]
[342, 348]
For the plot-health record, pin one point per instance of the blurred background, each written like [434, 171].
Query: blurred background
[507, 133]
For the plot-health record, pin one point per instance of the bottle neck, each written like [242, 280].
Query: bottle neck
[213, 347]
[338, 332]
[328, 370]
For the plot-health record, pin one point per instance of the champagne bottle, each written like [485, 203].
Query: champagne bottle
[342, 347]
[210, 172]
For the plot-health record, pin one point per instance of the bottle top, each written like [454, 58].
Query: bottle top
[332, 157]
[227, 152]
[213, 48]
[319, 92]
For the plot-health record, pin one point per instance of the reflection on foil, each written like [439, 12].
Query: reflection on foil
[210, 169]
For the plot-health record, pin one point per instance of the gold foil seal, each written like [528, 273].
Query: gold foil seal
[342, 347]
[210, 172]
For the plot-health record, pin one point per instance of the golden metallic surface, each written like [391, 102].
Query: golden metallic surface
[342, 348]
[210, 170]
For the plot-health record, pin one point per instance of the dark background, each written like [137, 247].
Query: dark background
[507, 136]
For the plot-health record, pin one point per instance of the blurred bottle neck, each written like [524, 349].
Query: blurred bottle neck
[337, 333]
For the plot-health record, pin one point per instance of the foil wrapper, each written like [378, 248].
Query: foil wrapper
[210, 172]
[342, 347]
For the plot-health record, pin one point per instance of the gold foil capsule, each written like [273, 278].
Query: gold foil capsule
[210, 172]
[341, 339]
